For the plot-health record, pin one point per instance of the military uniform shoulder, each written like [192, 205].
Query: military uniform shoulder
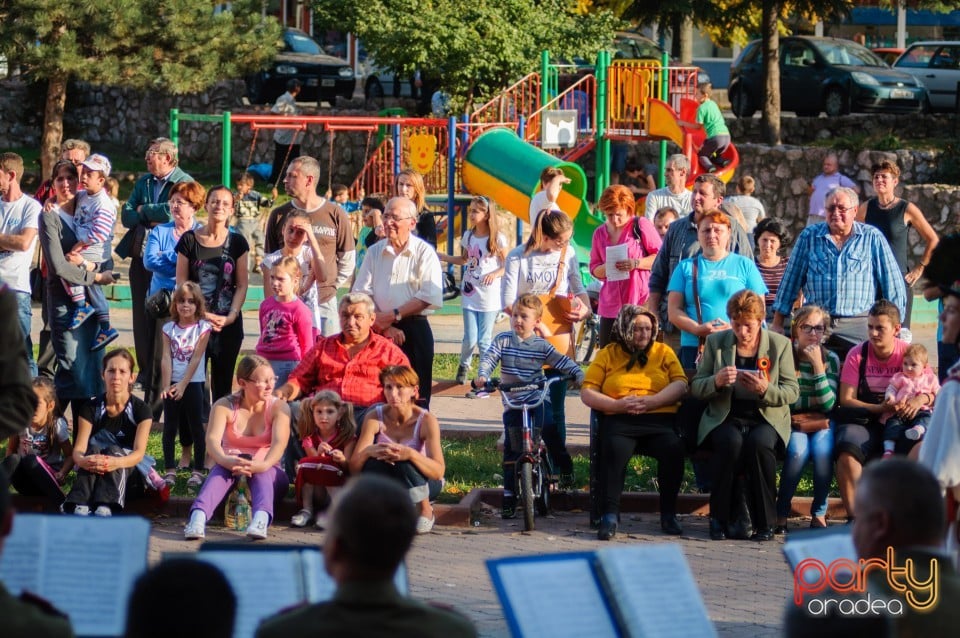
[29, 616]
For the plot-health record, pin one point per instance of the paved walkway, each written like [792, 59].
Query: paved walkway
[745, 585]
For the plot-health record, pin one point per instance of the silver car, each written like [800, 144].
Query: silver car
[937, 65]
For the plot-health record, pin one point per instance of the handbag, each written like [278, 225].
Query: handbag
[38, 284]
[157, 305]
[555, 311]
[809, 422]
[856, 415]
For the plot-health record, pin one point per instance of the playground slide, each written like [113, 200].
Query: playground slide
[682, 130]
[501, 166]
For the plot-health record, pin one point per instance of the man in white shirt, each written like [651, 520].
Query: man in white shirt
[19, 221]
[675, 193]
[830, 178]
[552, 180]
[403, 275]
[286, 141]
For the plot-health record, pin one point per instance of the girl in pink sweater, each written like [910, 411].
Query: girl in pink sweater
[286, 324]
[910, 397]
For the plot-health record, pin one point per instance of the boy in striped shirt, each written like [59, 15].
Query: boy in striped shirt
[522, 353]
[94, 217]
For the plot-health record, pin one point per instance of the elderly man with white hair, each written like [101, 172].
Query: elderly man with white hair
[402, 273]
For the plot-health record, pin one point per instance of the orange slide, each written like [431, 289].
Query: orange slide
[683, 130]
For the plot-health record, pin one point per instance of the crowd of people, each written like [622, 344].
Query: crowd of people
[719, 313]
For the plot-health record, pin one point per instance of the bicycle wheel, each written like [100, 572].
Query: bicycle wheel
[541, 484]
[588, 332]
[526, 494]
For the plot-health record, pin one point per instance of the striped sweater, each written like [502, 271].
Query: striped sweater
[523, 361]
[818, 393]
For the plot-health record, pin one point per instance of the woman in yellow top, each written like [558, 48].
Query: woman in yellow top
[636, 383]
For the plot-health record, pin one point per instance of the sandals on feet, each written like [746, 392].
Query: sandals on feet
[195, 480]
[103, 338]
[170, 478]
[81, 314]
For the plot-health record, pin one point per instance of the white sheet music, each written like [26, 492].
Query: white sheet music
[650, 604]
[555, 597]
[615, 253]
[84, 566]
[824, 546]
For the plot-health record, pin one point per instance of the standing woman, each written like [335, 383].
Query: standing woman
[642, 243]
[78, 369]
[770, 238]
[410, 184]
[112, 433]
[892, 215]
[216, 259]
[701, 285]
[546, 265]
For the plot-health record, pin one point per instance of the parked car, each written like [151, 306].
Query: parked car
[824, 74]
[888, 54]
[324, 77]
[937, 65]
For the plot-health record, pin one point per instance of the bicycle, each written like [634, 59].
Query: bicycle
[588, 330]
[535, 474]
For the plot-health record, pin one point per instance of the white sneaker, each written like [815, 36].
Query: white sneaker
[103, 511]
[196, 527]
[301, 518]
[915, 433]
[258, 526]
[82, 510]
[425, 525]
[322, 521]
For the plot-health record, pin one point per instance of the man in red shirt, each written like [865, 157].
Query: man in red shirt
[349, 363]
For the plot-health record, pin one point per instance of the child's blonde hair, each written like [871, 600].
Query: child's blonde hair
[290, 266]
[113, 186]
[918, 353]
[346, 424]
[530, 301]
[493, 223]
[188, 290]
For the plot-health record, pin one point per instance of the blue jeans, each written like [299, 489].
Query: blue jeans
[688, 356]
[282, 370]
[819, 447]
[25, 315]
[477, 330]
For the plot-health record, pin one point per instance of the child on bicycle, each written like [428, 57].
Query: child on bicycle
[522, 353]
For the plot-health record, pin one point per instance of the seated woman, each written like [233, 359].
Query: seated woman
[402, 440]
[748, 379]
[637, 383]
[246, 436]
[818, 372]
[112, 433]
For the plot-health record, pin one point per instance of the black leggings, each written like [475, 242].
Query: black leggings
[186, 417]
[31, 478]
[750, 450]
[653, 435]
[418, 346]
[222, 353]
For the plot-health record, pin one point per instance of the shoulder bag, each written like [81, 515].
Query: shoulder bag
[555, 309]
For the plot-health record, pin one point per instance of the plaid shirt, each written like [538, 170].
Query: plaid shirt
[844, 281]
[328, 366]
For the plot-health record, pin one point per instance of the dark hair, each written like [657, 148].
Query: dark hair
[775, 227]
[193, 586]
[884, 308]
[373, 522]
[337, 189]
[293, 84]
[218, 187]
[910, 495]
[719, 188]
[124, 354]
[373, 202]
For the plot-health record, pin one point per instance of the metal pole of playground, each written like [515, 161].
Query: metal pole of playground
[521, 131]
[224, 119]
[602, 153]
[451, 181]
[665, 96]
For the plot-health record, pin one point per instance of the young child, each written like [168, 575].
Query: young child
[916, 380]
[182, 372]
[552, 180]
[250, 209]
[286, 324]
[299, 242]
[751, 207]
[663, 218]
[372, 230]
[94, 219]
[718, 136]
[39, 458]
[483, 250]
[340, 193]
[522, 354]
[113, 189]
[327, 432]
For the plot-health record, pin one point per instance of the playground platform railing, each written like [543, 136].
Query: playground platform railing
[518, 100]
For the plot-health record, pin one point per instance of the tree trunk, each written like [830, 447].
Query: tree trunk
[686, 40]
[53, 123]
[770, 117]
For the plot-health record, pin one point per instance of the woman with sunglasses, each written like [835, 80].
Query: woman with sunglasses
[818, 372]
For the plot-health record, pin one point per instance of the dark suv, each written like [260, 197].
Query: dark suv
[824, 74]
[323, 76]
